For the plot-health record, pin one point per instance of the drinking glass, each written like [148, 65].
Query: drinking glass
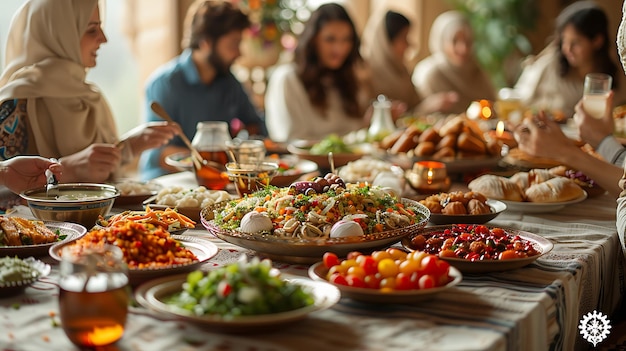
[93, 295]
[249, 178]
[246, 151]
[596, 90]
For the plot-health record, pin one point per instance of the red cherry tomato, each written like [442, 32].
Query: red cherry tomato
[355, 281]
[443, 268]
[426, 282]
[339, 279]
[369, 264]
[403, 282]
[429, 265]
[330, 259]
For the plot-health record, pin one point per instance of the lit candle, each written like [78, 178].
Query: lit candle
[500, 129]
[502, 136]
[429, 177]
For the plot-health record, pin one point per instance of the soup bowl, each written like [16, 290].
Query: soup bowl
[72, 202]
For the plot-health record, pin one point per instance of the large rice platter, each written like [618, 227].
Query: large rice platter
[321, 209]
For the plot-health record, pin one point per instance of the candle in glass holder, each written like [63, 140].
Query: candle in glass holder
[429, 177]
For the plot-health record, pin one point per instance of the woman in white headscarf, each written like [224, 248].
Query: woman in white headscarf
[452, 66]
[48, 108]
[385, 41]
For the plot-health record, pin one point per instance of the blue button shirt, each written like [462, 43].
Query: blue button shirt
[177, 87]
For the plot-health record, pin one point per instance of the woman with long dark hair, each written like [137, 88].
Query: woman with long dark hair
[321, 92]
[553, 80]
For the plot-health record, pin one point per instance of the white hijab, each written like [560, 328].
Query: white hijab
[437, 74]
[44, 65]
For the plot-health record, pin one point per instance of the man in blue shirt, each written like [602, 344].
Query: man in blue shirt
[198, 85]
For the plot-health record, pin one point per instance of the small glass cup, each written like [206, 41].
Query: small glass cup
[596, 90]
[93, 295]
[246, 151]
[509, 105]
[249, 178]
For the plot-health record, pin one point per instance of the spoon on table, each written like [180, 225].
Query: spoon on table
[196, 158]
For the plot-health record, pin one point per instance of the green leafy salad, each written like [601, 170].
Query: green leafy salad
[240, 289]
[332, 143]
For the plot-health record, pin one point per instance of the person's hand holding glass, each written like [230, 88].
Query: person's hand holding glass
[593, 130]
[596, 91]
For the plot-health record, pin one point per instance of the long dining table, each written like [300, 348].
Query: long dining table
[538, 307]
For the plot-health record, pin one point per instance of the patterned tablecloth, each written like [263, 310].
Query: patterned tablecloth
[534, 308]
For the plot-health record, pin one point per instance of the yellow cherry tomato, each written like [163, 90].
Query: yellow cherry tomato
[387, 268]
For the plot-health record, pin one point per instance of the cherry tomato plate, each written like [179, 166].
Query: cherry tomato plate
[318, 271]
[496, 206]
[479, 248]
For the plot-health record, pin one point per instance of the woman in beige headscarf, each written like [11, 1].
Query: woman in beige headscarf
[385, 41]
[452, 66]
[47, 106]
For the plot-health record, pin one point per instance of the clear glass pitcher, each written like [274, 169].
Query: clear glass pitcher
[382, 122]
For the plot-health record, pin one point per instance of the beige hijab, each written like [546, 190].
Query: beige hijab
[389, 76]
[436, 74]
[66, 114]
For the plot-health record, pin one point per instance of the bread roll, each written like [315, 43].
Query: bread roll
[453, 126]
[558, 189]
[454, 208]
[406, 141]
[521, 179]
[444, 152]
[476, 207]
[425, 148]
[391, 139]
[539, 175]
[558, 170]
[431, 135]
[447, 141]
[468, 142]
[496, 187]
